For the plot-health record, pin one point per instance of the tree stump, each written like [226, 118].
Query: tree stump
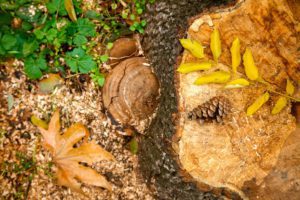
[187, 160]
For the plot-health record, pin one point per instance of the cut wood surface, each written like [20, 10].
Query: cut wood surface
[243, 148]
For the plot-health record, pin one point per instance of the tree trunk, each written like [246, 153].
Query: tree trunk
[167, 22]
[261, 29]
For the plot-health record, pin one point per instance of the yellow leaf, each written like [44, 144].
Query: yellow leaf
[38, 122]
[67, 158]
[237, 83]
[191, 67]
[290, 89]
[280, 104]
[70, 9]
[250, 67]
[193, 46]
[215, 77]
[215, 44]
[235, 54]
[259, 102]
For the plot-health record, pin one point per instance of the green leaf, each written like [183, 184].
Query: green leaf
[78, 60]
[51, 34]
[8, 41]
[109, 45]
[86, 64]
[34, 66]
[104, 58]
[91, 14]
[42, 63]
[31, 69]
[79, 40]
[39, 34]
[2, 51]
[26, 26]
[139, 11]
[143, 23]
[101, 80]
[56, 6]
[29, 47]
[86, 27]
[5, 18]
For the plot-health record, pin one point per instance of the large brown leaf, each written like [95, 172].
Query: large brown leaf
[67, 158]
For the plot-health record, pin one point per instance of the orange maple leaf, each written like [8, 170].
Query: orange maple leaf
[67, 158]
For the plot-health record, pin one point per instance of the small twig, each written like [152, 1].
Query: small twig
[287, 96]
[71, 76]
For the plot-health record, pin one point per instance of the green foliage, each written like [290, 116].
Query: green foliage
[79, 61]
[34, 67]
[44, 38]
[98, 77]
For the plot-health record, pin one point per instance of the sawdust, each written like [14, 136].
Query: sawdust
[79, 101]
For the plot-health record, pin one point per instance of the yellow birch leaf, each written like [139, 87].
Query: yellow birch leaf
[38, 122]
[214, 77]
[70, 9]
[191, 67]
[259, 102]
[235, 54]
[237, 83]
[290, 89]
[250, 67]
[215, 44]
[193, 46]
[279, 105]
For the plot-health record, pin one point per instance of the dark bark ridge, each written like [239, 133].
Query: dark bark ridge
[166, 20]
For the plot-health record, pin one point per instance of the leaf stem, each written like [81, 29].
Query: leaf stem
[285, 95]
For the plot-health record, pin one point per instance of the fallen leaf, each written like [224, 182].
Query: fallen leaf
[10, 102]
[193, 46]
[214, 77]
[259, 102]
[237, 83]
[215, 44]
[290, 89]
[70, 9]
[38, 122]
[191, 67]
[250, 67]
[67, 158]
[235, 54]
[279, 105]
[47, 85]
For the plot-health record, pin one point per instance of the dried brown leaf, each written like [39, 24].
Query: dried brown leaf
[70, 9]
[67, 158]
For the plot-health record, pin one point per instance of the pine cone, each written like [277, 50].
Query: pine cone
[213, 110]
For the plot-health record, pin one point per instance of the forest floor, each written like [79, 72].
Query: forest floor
[26, 169]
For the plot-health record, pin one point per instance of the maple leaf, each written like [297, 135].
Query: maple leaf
[67, 158]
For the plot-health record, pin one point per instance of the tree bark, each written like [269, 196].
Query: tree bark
[167, 22]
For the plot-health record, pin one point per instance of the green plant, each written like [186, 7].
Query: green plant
[43, 36]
